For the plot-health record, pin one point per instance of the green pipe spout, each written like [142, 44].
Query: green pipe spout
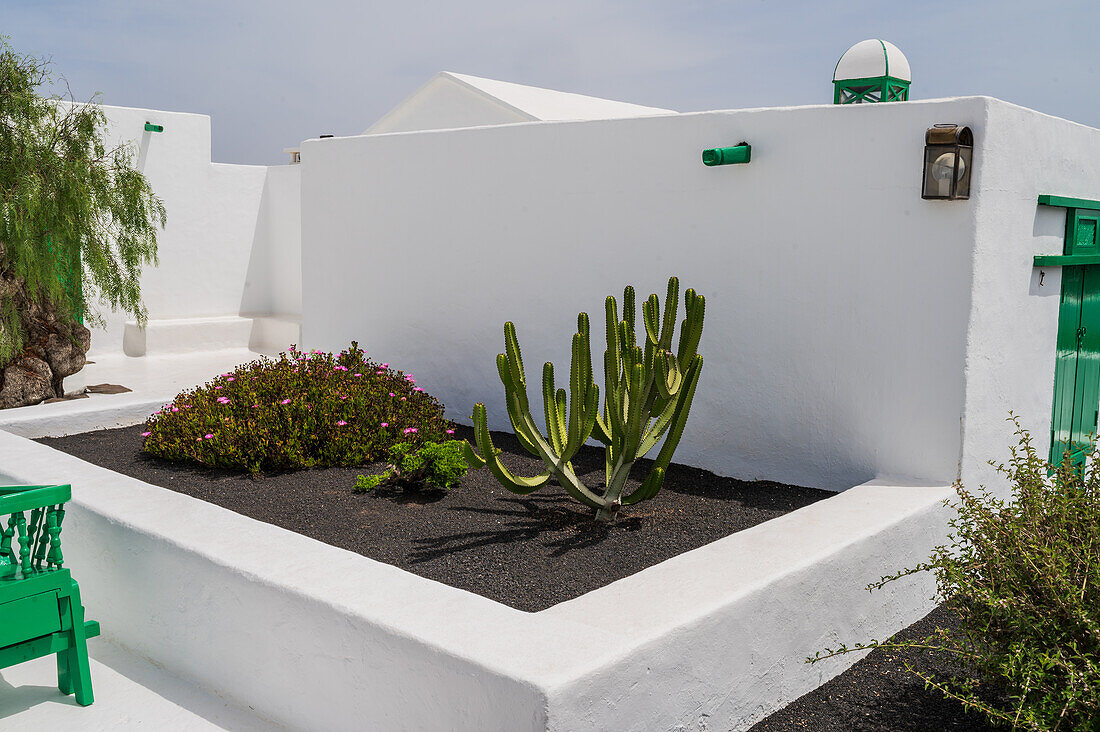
[739, 153]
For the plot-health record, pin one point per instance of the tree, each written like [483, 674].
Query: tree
[77, 223]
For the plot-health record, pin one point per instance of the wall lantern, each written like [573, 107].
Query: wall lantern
[948, 162]
[739, 153]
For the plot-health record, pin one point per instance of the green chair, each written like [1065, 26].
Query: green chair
[40, 610]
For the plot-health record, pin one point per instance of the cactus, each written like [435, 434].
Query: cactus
[647, 395]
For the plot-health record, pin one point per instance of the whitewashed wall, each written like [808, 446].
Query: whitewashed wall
[1013, 321]
[838, 300]
[231, 243]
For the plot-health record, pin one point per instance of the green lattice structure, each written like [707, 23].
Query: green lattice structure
[40, 609]
[871, 71]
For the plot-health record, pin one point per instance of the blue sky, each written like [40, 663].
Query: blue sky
[273, 73]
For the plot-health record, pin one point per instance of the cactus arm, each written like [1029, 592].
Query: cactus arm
[475, 461]
[561, 469]
[692, 328]
[649, 317]
[514, 358]
[600, 429]
[613, 398]
[550, 408]
[679, 419]
[657, 430]
[672, 298]
[647, 489]
[628, 310]
[514, 483]
[510, 389]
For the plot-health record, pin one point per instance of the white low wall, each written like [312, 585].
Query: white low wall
[232, 242]
[315, 637]
[837, 299]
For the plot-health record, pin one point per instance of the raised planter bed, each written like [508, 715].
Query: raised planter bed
[317, 637]
[529, 552]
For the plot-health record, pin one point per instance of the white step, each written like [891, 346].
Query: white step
[267, 334]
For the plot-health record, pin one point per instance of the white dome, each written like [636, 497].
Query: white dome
[871, 58]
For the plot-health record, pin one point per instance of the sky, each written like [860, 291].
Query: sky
[271, 74]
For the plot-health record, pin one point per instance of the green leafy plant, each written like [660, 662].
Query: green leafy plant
[647, 395]
[434, 465]
[1023, 578]
[77, 220]
[301, 410]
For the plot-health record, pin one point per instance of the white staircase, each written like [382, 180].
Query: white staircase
[266, 334]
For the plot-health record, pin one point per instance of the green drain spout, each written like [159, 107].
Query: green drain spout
[739, 153]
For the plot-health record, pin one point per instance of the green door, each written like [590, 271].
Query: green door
[1077, 368]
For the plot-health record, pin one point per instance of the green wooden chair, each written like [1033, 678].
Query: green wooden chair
[40, 610]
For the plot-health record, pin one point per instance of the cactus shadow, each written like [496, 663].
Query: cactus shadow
[526, 518]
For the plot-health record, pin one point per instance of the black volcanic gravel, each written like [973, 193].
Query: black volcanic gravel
[877, 694]
[529, 552]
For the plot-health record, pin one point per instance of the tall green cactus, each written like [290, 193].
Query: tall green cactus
[647, 395]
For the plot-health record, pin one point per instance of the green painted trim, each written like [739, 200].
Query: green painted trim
[1065, 260]
[1046, 199]
[885, 57]
[880, 83]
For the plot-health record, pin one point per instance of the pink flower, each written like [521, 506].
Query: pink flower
[231, 379]
[343, 398]
[255, 406]
[339, 368]
[385, 365]
[175, 409]
[217, 387]
[285, 401]
[146, 434]
[410, 429]
[358, 374]
[417, 389]
[392, 394]
[223, 400]
[450, 432]
[210, 437]
[340, 423]
[385, 424]
[409, 378]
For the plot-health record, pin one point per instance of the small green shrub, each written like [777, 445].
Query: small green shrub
[438, 465]
[300, 410]
[1023, 578]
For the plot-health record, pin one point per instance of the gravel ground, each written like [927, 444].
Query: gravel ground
[877, 694]
[529, 552]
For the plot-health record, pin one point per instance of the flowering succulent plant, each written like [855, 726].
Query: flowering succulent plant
[300, 410]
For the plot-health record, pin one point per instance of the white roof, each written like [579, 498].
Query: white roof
[871, 58]
[547, 104]
[459, 100]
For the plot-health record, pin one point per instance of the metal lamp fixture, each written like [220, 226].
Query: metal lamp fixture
[948, 162]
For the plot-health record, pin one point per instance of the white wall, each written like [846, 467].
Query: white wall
[217, 251]
[837, 299]
[274, 282]
[1014, 322]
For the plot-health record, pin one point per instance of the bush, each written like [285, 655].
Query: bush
[1023, 578]
[437, 465]
[301, 410]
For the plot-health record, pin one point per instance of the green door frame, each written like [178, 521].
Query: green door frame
[1076, 404]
